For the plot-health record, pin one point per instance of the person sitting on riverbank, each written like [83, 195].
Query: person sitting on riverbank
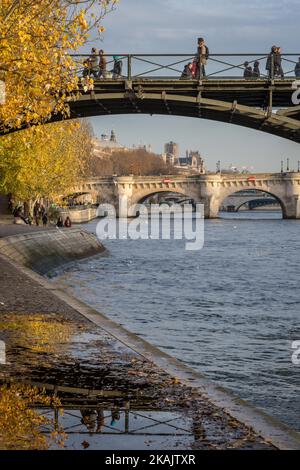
[60, 222]
[68, 222]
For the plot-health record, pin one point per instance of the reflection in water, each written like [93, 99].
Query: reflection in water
[111, 396]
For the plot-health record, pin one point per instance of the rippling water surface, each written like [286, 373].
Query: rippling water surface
[230, 311]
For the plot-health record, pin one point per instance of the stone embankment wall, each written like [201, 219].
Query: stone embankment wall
[80, 216]
[46, 250]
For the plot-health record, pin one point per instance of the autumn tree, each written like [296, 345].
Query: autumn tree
[135, 162]
[37, 38]
[44, 161]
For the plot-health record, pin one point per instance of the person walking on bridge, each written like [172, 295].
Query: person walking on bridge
[297, 69]
[248, 72]
[256, 71]
[278, 63]
[117, 70]
[202, 57]
[270, 65]
[102, 64]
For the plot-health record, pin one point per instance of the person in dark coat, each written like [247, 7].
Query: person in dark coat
[270, 59]
[60, 222]
[45, 219]
[297, 69]
[256, 71]
[187, 73]
[117, 70]
[68, 222]
[248, 73]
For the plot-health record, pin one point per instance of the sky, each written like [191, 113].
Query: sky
[172, 26]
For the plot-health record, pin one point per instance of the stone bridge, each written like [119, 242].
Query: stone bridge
[209, 189]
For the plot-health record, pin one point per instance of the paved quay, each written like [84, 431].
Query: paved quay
[116, 390]
[9, 229]
[111, 395]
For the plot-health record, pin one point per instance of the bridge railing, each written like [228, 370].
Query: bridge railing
[171, 66]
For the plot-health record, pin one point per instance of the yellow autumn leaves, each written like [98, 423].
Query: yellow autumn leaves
[36, 42]
[44, 161]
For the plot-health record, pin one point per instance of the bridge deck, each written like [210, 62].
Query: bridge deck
[249, 103]
[247, 92]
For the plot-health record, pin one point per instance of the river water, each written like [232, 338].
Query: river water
[230, 310]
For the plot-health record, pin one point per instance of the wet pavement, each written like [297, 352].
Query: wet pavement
[8, 228]
[77, 387]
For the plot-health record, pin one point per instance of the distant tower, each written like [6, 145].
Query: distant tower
[113, 136]
[173, 149]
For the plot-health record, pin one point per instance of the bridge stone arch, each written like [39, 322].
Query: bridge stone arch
[277, 191]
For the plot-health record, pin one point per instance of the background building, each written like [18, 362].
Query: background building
[172, 152]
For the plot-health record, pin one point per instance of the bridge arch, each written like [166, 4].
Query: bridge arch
[278, 195]
[154, 103]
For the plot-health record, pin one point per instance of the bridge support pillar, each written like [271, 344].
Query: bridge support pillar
[292, 209]
[211, 208]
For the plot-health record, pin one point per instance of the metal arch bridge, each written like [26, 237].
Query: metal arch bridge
[255, 203]
[263, 103]
[152, 84]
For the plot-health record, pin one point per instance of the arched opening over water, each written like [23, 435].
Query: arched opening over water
[169, 198]
[252, 203]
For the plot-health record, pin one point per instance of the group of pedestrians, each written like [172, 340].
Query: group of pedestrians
[40, 216]
[96, 66]
[250, 72]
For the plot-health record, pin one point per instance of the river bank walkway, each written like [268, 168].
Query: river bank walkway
[108, 389]
[111, 395]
